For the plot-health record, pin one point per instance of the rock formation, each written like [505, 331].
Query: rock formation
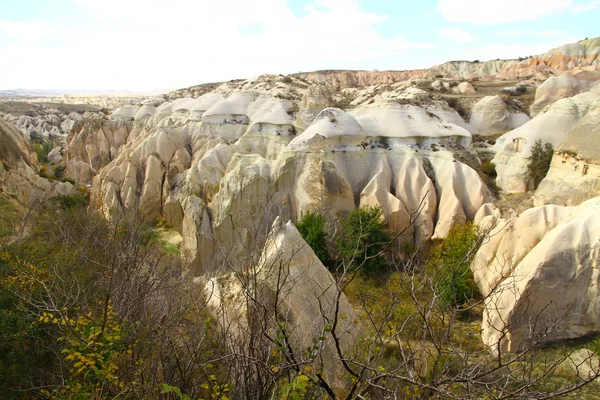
[18, 164]
[490, 115]
[550, 126]
[289, 275]
[247, 152]
[539, 273]
[574, 174]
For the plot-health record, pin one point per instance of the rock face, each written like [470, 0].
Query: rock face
[574, 174]
[539, 274]
[550, 126]
[17, 168]
[303, 293]
[40, 123]
[92, 144]
[564, 86]
[490, 115]
[464, 88]
[247, 152]
[581, 56]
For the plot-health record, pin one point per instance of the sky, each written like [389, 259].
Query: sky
[143, 45]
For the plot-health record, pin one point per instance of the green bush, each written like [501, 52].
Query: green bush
[489, 169]
[42, 150]
[539, 162]
[364, 237]
[450, 263]
[312, 228]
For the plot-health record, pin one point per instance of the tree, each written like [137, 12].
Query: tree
[312, 228]
[450, 263]
[539, 162]
[363, 239]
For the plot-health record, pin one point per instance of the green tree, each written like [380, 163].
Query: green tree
[539, 162]
[363, 240]
[450, 263]
[312, 228]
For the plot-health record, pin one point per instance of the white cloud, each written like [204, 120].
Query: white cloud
[504, 11]
[24, 30]
[456, 35]
[514, 33]
[133, 45]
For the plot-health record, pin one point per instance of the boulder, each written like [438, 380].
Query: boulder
[490, 115]
[464, 88]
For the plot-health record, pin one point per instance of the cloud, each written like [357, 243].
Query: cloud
[490, 12]
[138, 45]
[24, 30]
[456, 35]
[514, 33]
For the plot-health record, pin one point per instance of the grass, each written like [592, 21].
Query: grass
[11, 212]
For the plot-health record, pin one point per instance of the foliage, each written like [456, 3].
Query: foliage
[42, 150]
[450, 263]
[489, 169]
[312, 228]
[539, 162]
[363, 240]
[78, 199]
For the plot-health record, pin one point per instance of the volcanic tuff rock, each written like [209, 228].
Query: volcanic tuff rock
[574, 174]
[307, 298]
[571, 58]
[248, 150]
[550, 126]
[490, 115]
[541, 266]
[563, 86]
[17, 168]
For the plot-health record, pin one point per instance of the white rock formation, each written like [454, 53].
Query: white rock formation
[307, 298]
[550, 126]
[464, 88]
[490, 115]
[564, 86]
[395, 151]
[539, 274]
[18, 164]
[574, 174]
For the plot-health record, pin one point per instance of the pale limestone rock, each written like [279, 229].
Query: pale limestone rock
[560, 87]
[417, 192]
[464, 88]
[490, 115]
[18, 176]
[126, 113]
[307, 298]
[574, 174]
[55, 156]
[486, 210]
[376, 193]
[543, 266]
[550, 126]
[151, 197]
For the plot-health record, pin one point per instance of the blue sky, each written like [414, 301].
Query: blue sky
[157, 44]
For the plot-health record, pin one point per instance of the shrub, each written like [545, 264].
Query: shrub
[539, 162]
[489, 169]
[450, 261]
[59, 171]
[312, 228]
[363, 240]
[42, 150]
